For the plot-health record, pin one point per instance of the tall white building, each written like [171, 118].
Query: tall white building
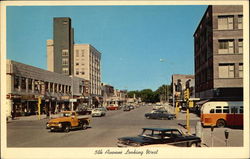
[87, 65]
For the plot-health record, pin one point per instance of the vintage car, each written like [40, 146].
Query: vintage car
[156, 136]
[126, 108]
[98, 112]
[67, 120]
[160, 114]
[131, 107]
[112, 107]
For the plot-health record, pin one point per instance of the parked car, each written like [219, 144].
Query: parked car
[126, 108]
[160, 114]
[112, 107]
[131, 107]
[157, 106]
[156, 136]
[67, 120]
[98, 112]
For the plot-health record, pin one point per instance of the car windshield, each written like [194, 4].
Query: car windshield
[154, 134]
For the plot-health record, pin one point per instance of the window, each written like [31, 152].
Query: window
[226, 70]
[225, 109]
[226, 47]
[16, 82]
[23, 83]
[65, 61]
[82, 53]
[77, 63]
[241, 70]
[65, 52]
[77, 53]
[212, 111]
[240, 46]
[218, 110]
[30, 84]
[225, 22]
[65, 70]
[241, 110]
[234, 110]
[55, 87]
[240, 22]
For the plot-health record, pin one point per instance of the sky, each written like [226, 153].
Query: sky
[141, 46]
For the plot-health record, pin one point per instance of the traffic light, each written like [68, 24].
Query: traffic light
[186, 95]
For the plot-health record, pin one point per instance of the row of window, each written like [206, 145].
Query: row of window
[37, 85]
[228, 46]
[78, 53]
[227, 22]
[225, 109]
[227, 70]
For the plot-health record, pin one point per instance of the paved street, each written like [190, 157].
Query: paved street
[104, 131]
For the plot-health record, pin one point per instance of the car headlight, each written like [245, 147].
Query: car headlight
[47, 125]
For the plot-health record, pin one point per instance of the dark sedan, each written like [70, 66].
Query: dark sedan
[156, 136]
[126, 108]
[160, 114]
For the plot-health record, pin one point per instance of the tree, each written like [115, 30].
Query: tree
[149, 96]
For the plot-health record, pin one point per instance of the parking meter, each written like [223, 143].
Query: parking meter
[226, 134]
[212, 136]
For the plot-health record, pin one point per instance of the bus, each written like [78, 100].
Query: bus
[222, 113]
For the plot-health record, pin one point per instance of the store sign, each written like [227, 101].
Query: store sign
[73, 100]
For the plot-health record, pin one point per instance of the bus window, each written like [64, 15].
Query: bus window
[234, 110]
[241, 110]
[212, 111]
[218, 109]
[226, 110]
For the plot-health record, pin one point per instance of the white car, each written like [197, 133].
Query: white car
[98, 112]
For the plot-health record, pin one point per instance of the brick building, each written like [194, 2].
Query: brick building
[218, 44]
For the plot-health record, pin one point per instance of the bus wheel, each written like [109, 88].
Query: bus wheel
[221, 123]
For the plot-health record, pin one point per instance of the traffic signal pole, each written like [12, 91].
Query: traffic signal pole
[188, 120]
[186, 97]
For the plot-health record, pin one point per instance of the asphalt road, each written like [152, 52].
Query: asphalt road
[103, 131]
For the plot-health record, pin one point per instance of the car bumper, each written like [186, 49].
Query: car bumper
[95, 114]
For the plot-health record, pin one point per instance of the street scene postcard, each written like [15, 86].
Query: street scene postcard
[124, 79]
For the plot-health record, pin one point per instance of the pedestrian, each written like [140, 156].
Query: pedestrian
[12, 115]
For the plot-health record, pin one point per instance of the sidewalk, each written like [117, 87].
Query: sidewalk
[211, 139]
[26, 118]
[182, 114]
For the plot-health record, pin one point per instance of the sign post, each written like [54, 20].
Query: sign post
[212, 136]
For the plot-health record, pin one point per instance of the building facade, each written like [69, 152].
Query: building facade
[26, 83]
[218, 43]
[87, 65]
[63, 41]
[112, 96]
[179, 83]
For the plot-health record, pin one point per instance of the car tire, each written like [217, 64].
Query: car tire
[84, 126]
[220, 123]
[67, 128]
[193, 145]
